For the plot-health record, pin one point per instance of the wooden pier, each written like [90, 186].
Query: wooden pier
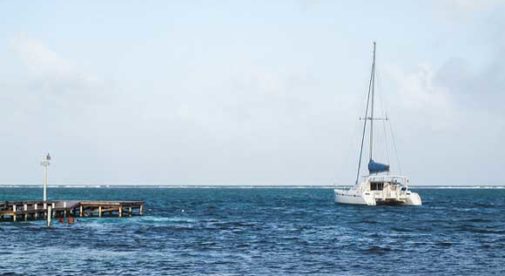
[32, 210]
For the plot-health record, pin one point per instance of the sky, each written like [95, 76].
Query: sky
[249, 92]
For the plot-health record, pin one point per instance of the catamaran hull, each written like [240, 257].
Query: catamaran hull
[345, 197]
[414, 199]
[357, 198]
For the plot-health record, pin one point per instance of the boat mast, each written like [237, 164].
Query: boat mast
[370, 93]
[372, 81]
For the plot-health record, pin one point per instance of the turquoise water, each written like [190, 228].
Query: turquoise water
[262, 231]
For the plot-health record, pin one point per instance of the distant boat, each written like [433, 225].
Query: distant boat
[379, 187]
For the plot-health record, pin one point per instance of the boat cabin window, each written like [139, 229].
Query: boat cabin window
[376, 186]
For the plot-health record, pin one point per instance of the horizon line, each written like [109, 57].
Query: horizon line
[229, 186]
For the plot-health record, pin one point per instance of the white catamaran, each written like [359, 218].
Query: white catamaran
[379, 187]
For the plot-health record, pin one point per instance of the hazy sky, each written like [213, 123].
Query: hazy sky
[248, 92]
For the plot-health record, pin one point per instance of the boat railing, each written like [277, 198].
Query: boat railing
[389, 178]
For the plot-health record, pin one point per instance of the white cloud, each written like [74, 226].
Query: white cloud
[50, 71]
[464, 11]
[38, 58]
[470, 6]
[417, 93]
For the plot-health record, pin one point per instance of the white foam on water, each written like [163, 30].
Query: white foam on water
[155, 219]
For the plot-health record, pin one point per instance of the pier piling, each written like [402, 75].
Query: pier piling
[49, 215]
[14, 214]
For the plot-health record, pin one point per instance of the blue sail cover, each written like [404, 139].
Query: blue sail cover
[374, 167]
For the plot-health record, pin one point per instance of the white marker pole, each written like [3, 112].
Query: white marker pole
[45, 163]
[45, 183]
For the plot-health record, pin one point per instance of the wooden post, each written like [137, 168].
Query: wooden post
[81, 211]
[130, 211]
[120, 211]
[99, 211]
[14, 216]
[35, 207]
[45, 208]
[49, 215]
[141, 210]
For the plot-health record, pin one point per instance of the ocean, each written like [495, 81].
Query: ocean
[262, 231]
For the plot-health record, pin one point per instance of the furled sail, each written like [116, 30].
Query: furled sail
[374, 167]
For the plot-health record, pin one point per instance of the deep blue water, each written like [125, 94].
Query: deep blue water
[262, 231]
